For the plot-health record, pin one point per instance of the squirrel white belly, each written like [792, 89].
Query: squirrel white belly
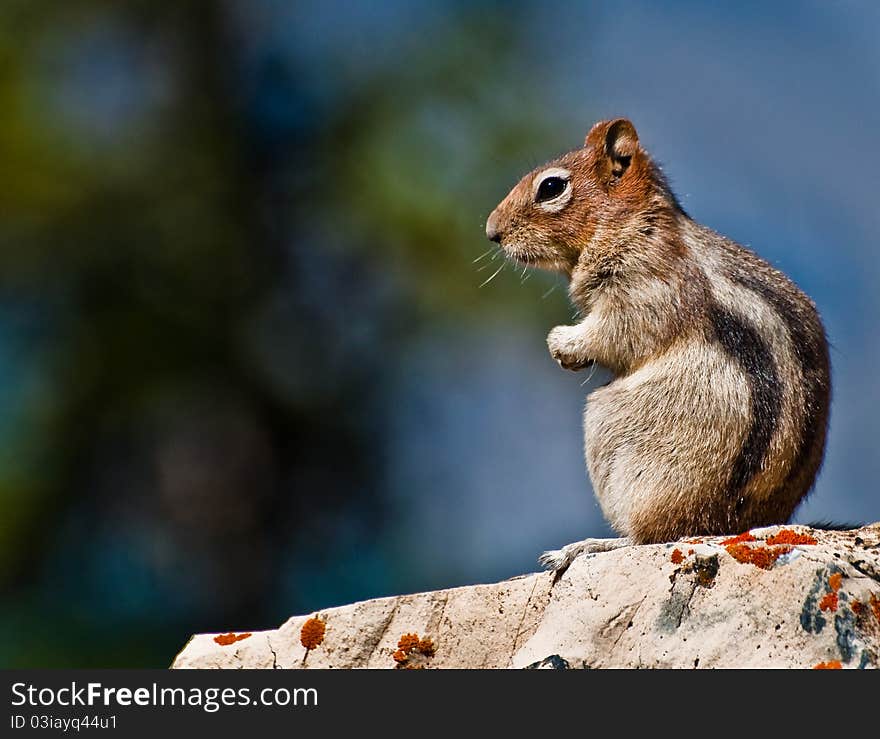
[716, 418]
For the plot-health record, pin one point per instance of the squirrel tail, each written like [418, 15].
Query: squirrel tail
[834, 526]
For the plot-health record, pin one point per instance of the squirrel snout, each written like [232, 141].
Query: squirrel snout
[492, 231]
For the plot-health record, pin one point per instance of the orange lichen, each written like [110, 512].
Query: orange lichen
[875, 606]
[787, 536]
[828, 602]
[762, 557]
[857, 607]
[690, 552]
[412, 652]
[312, 632]
[739, 539]
[677, 557]
[834, 581]
[832, 665]
[408, 643]
[224, 640]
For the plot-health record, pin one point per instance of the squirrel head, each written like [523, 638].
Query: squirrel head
[587, 199]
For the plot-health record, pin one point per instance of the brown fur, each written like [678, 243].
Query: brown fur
[715, 421]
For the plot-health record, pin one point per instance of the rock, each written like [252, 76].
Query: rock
[769, 599]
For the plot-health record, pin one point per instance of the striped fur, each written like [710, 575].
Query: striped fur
[716, 419]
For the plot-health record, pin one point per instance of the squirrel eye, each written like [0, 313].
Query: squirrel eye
[550, 188]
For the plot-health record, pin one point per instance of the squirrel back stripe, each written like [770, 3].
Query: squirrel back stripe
[811, 349]
[745, 346]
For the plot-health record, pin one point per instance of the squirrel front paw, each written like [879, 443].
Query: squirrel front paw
[562, 342]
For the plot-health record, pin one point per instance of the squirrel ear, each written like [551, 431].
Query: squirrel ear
[617, 140]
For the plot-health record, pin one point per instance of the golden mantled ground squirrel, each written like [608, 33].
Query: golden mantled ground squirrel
[715, 420]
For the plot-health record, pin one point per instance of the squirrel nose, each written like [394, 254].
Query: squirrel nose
[492, 231]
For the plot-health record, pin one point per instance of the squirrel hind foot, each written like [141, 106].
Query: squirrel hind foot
[558, 560]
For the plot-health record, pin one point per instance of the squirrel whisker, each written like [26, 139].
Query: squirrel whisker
[492, 277]
[483, 255]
